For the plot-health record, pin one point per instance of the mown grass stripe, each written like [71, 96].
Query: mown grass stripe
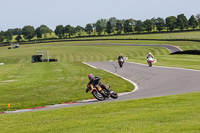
[50, 83]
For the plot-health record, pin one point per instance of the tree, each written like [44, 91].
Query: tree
[198, 19]
[79, 30]
[89, 29]
[44, 30]
[139, 26]
[28, 32]
[109, 28]
[193, 22]
[8, 36]
[123, 22]
[148, 25]
[132, 23]
[127, 26]
[16, 31]
[113, 22]
[94, 27]
[119, 27]
[59, 31]
[18, 38]
[99, 28]
[153, 22]
[182, 21]
[69, 30]
[160, 24]
[2, 37]
[38, 32]
[104, 24]
[170, 23]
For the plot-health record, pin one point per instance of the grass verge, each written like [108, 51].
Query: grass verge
[177, 113]
[26, 85]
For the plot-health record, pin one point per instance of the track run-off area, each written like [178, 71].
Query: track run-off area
[148, 81]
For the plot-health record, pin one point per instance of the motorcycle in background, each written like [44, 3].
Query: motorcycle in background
[121, 62]
[150, 61]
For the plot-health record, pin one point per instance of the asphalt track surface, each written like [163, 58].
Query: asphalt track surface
[149, 81]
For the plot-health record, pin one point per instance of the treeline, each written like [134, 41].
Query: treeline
[106, 26]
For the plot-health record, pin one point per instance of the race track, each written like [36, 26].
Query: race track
[151, 81]
[154, 81]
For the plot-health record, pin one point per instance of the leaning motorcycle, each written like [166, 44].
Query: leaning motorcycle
[121, 62]
[101, 94]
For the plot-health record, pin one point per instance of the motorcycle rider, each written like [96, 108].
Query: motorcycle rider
[120, 57]
[149, 55]
[95, 81]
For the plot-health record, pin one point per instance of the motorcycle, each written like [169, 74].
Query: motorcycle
[150, 61]
[121, 62]
[101, 94]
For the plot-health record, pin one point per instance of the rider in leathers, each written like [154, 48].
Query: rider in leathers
[149, 55]
[95, 81]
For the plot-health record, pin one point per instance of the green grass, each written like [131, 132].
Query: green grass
[177, 114]
[52, 35]
[24, 84]
[194, 35]
[182, 35]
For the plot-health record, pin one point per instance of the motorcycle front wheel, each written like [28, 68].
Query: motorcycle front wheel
[113, 94]
[150, 64]
[98, 96]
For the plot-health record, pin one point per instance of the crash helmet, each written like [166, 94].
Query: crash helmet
[149, 53]
[90, 76]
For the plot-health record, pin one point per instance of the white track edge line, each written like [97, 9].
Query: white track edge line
[178, 48]
[166, 67]
[124, 93]
[89, 65]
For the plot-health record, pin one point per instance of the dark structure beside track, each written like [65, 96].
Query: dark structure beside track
[13, 46]
[38, 58]
[191, 52]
